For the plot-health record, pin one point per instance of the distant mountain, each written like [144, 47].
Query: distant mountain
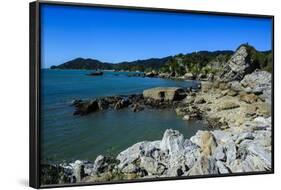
[80, 63]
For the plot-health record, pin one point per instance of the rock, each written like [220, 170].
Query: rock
[186, 117]
[188, 100]
[222, 137]
[78, 170]
[260, 152]
[137, 108]
[199, 100]
[259, 82]
[86, 107]
[236, 86]
[232, 93]
[51, 174]
[219, 153]
[226, 105]
[206, 86]
[102, 104]
[238, 65]
[121, 104]
[263, 109]
[222, 168]
[248, 98]
[152, 166]
[130, 155]
[204, 165]
[76, 102]
[151, 74]
[103, 164]
[135, 152]
[224, 86]
[205, 140]
[189, 76]
[243, 136]
[262, 123]
[224, 92]
[130, 168]
[165, 93]
[230, 148]
[172, 142]
[254, 163]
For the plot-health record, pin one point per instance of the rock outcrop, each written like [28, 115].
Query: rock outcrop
[165, 93]
[238, 66]
[206, 153]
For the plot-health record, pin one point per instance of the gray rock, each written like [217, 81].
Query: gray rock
[260, 152]
[130, 168]
[243, 136]
[222, 137]
[259, 82]
[219, 153]
[129, 155]
[238, 65]
[204, 165]
[221, 167]
[230, 148]
[172, 142]
[152, 166]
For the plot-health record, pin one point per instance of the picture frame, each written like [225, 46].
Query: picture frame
[35, 132]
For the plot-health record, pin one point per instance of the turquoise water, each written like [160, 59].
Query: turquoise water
[68, 137]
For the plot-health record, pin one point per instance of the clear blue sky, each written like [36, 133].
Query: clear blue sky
[114, 35]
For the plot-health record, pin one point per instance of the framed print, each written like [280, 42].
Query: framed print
[130, 94]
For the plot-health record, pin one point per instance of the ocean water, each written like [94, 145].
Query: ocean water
[65, 137]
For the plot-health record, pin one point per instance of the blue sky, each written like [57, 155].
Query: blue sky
[115, 35]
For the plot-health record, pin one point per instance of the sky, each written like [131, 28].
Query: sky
[116, 35]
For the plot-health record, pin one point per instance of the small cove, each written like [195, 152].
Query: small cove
[68, 137]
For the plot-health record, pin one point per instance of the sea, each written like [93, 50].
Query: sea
[65, 137]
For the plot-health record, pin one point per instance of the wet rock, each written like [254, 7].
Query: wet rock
[86, 107]
[121, 104]
[137, 108]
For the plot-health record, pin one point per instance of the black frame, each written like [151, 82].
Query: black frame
[34, 91]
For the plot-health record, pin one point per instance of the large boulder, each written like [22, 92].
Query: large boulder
[238, 66]
[165, 93]
[172, 142]
[258, 82]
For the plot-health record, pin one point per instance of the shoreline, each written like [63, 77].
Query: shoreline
[237, 105]
[210, 152]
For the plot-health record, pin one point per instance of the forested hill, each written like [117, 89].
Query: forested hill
[195, 62]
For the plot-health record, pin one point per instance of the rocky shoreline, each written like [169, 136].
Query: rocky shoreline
[237, 106]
